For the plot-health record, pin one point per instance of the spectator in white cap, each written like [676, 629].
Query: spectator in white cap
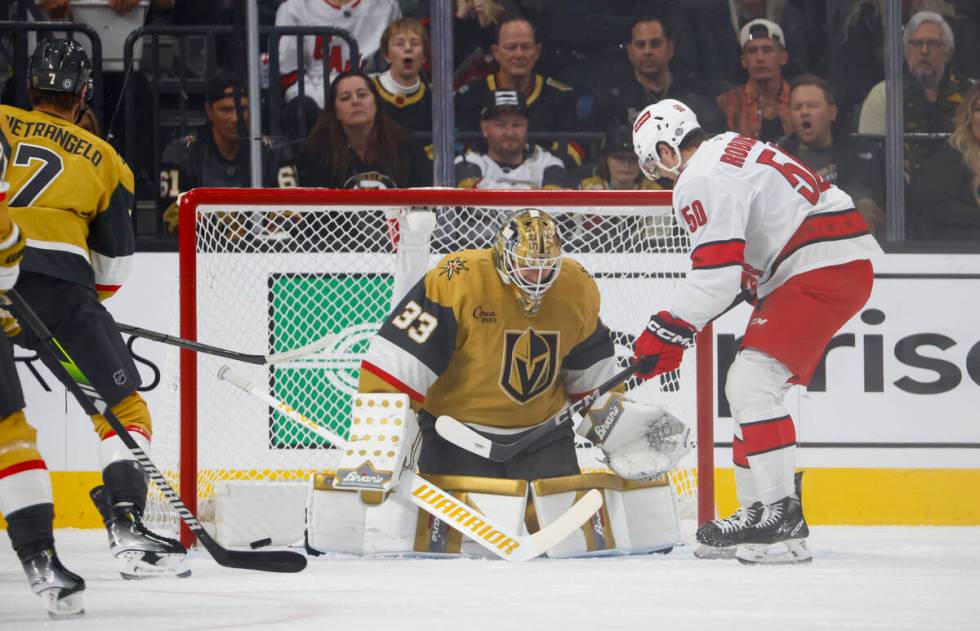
[719, 24]
[759, 108]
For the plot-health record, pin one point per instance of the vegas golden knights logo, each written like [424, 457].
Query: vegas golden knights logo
[530, 363]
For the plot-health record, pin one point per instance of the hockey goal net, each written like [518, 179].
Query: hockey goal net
[268, 271]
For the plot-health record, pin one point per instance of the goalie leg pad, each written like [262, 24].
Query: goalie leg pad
[636, 517]
[337, 521]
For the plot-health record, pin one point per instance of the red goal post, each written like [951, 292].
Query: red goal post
[270, 270]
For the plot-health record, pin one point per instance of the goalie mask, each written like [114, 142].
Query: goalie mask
[668, 121]
[527, 253]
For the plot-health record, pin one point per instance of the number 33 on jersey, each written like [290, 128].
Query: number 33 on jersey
[71, 194]
[751, 206]
[460, 343]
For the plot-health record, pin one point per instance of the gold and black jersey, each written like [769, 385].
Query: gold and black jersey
[413, 111]
[458, 343]
[71, 194]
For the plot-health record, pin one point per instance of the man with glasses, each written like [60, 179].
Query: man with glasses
[931, 90]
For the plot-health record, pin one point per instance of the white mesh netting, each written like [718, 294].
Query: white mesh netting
[274, 277]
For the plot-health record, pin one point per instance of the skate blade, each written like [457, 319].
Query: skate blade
[134, 565]
[62, 608]
[711, 553]
[795, 552]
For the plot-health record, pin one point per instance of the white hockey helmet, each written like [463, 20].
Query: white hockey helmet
[668, 121]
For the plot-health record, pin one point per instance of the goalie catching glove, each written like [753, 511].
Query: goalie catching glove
[640, 441]
[666, 337]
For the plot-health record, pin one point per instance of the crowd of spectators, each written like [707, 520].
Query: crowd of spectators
[808, 76]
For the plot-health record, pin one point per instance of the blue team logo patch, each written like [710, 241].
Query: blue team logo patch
[530, 363]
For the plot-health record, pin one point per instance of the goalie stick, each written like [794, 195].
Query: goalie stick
[463, 436]
[415, 489]
[274, 358]
[264, 560]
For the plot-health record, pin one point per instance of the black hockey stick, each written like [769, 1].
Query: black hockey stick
[472, 441]
[223, 352]
[462, 436]
[263, 560]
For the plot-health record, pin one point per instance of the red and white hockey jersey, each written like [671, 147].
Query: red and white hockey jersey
[750, 206]
[366, 20]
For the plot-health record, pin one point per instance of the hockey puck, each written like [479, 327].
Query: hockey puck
[260, 543]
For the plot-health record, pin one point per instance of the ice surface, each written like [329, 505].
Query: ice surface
[861, 578]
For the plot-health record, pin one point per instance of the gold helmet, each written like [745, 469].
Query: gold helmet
[527, 253]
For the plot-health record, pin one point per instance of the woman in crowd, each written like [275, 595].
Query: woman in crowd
[947, 190]
[354, 143]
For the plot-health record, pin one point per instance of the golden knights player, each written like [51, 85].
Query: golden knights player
[501, 338]
[25, 486]
[71, 194]
[476, 339]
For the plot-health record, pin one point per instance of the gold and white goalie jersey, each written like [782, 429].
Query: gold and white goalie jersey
[459, 344]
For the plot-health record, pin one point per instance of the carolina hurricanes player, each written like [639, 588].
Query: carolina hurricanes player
[755, 215]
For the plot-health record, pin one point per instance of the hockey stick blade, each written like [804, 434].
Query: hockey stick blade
[462, 436]
[248, 358]
[283, 561]
[266, 560]
[426, 495]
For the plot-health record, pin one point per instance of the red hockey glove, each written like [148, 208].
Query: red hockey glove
[667, 337]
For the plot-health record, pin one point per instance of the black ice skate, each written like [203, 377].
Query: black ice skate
[731, 531]
[143, 553]
[728, 552]
[60, 589]
[782, 523]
